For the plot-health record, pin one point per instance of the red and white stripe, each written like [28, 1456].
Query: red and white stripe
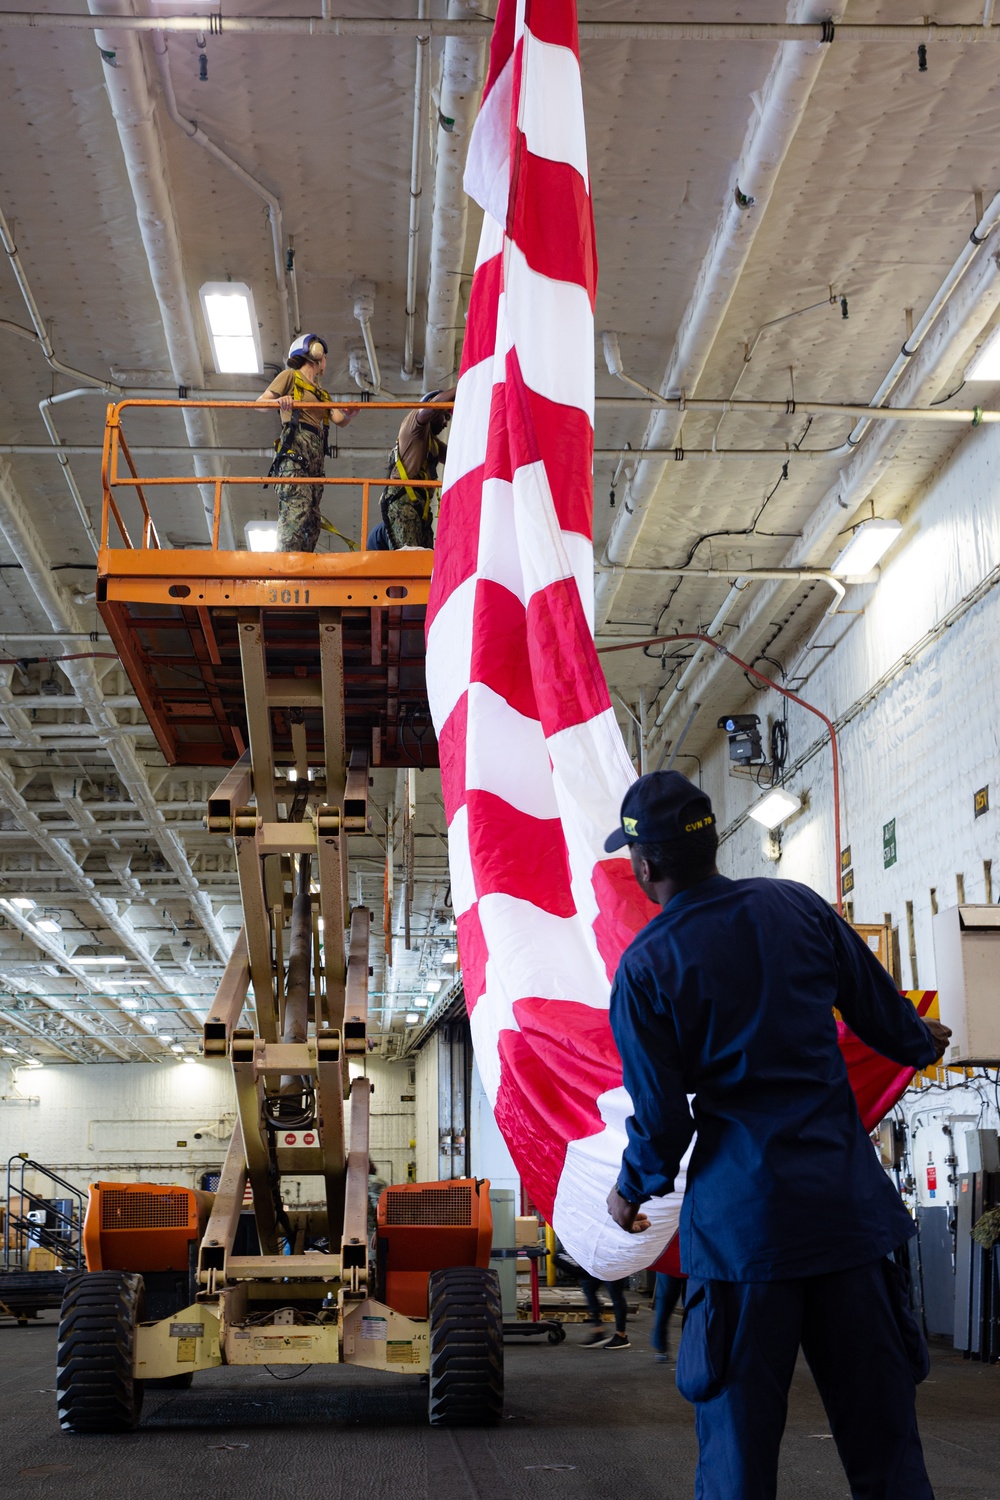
[532, 761]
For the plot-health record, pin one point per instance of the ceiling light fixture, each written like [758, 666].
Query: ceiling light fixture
[23, 903]
[412, 1017]
[866, 548]
[188, 1058]
[985, 363]
[127, 1004]
[10, 1051]
[232, 327]
[775, 806]
[48, 925]
[261, 536]
[97, 958]
[433, 985]
[449, 958]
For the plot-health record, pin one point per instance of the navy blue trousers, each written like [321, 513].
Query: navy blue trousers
[866, 1354]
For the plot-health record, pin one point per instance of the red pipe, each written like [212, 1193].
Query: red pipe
[708, 640]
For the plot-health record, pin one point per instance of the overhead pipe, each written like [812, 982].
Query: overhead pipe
[463, 66]
[364, 311]
[194, 132]
[968, 312]
[416, 190]
[801, 32]
[772, 129]
[793, 575]
[988, 222]
[22, 536]
[132, 108]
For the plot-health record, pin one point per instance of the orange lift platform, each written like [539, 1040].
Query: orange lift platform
[174, 615]
[299, 672]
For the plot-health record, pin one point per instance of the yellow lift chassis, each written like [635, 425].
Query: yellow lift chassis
[306, 1293]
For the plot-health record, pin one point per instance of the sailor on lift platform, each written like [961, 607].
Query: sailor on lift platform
[303, 444]
[418, 454]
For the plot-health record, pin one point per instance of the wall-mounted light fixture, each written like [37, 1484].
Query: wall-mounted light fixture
[866, 548]
[775, 806]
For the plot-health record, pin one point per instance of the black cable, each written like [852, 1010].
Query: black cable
[56, 567]
[287, 1377]
[943, 399]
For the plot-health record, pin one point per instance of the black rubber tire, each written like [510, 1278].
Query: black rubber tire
[465, 1386]
[95, 1388]
[557, 1335]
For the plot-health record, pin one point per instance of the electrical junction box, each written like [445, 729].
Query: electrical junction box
[967, 957]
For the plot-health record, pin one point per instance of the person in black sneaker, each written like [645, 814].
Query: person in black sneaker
[600, 1336]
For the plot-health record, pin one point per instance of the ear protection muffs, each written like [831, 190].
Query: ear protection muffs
[316, 351]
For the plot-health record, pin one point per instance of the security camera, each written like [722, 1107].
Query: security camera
[745, 746]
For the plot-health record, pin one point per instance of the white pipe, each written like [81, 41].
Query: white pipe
[364, 311]
[71, 484]
[970, 250]
[792, 575]
[416, 189]
[968, 312]
[722, 615]
[194, 131]
[462, 73]
[800, 32]
[23, 539]
[132, 108]
[772, 129]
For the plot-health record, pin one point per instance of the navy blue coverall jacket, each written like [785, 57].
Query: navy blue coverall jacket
[728, 995]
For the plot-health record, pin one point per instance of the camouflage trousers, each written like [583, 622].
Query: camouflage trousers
[405, 521]
[298, 503]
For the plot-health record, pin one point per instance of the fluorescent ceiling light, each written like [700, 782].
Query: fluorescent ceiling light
[232, 327]
[33, 1062]
[449, 958]
[432, 986]
[985, 363]
[261, 536]
[176, 1047]
[10, 1051]
[412, 1017]
[23, 903]
[48, 925]
[166, 1037]
[775, 806]
[421, 1002]
[866, 548]
[188, 1059]
[130, 1005]
[97, 958]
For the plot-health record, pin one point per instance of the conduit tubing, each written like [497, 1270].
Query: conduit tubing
[707, 640]
[451, 26]
[193, 130]
[416, 190]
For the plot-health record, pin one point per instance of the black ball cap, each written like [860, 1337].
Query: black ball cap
[658, 808]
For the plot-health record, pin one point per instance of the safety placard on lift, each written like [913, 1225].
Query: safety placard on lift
[298, 1138]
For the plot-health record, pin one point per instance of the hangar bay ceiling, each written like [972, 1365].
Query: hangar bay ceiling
[774, 221]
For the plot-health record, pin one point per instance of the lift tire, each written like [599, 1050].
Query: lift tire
[465, 1386]
[95, 1388]
[557, 1335]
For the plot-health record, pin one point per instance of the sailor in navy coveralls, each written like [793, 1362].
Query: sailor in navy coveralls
[727, 995]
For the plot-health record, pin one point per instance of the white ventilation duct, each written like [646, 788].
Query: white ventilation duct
[132, 107]
[462, 74]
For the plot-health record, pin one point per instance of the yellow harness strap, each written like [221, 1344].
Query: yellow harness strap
[432, 449]
[302, 389]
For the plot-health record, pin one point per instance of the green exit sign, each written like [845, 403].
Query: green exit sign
[889, 843]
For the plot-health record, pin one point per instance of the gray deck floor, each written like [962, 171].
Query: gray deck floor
[582, 1424]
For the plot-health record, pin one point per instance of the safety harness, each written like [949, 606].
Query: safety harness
[302, 390]
[428, 471]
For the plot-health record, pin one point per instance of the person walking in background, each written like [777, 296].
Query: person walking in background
[669, 1291]
[601, 1336]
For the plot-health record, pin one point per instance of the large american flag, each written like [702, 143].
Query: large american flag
[533, 764]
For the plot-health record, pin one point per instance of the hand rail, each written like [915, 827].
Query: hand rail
[49, 1237]
[115, 443]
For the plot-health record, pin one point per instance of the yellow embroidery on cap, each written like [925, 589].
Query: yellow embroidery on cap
[630, 826]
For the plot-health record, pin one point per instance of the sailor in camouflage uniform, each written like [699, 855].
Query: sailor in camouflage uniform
[406, 507]
[303, 445]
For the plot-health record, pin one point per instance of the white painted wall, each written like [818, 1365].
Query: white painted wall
[125, 1121]
[488, 1152]
[426, 1122]
[927, 741]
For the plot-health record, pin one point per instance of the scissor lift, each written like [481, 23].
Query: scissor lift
[301, 671]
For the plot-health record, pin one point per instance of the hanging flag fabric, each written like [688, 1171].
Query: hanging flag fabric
[533, 765]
